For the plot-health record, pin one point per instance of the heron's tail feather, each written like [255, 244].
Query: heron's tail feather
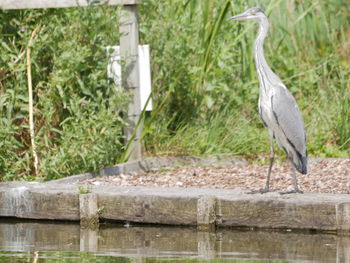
[301, 164]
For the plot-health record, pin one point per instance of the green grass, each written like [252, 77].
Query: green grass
[205, 87]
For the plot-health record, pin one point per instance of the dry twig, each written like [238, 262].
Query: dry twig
[30, 95]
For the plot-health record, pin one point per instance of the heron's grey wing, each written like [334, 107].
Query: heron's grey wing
[288, 116]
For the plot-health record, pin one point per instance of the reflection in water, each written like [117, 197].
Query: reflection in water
[172, 242]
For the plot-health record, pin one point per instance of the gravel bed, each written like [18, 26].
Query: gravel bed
[325, 176]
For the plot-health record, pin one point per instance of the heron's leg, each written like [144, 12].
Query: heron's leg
[295, 181]
[272, 159]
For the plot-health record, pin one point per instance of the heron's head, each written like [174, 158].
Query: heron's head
[254, 13]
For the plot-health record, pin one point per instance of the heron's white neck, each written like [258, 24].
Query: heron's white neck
[264, 71]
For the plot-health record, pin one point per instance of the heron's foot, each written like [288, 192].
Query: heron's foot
[295, 191]
[260, 191]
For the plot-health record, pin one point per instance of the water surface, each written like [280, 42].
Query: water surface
[67, 242]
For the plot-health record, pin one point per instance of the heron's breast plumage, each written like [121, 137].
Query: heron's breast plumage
[265, 108]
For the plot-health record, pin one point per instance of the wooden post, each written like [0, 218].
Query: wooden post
[206, 213]
[129, 42]
[89, 216]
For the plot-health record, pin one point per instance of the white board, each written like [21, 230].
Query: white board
[114, 71]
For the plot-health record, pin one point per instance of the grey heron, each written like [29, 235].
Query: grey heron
[278, 109]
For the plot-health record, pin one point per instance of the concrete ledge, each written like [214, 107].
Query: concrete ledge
[38, 201]
[179, 206]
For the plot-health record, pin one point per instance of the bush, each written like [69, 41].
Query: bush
[77, 111]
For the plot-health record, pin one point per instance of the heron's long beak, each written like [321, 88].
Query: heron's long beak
[242, 16]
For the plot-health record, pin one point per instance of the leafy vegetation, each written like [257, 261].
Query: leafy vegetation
[205, 88]
[77, 111]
